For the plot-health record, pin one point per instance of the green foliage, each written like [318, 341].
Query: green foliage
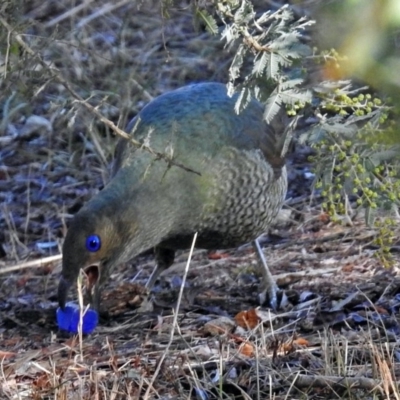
[384, 239]
[209, 22]
[355, 169]
[273, 42]
[356, 166]
[350, 156]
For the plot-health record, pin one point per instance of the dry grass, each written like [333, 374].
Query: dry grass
[339, 339]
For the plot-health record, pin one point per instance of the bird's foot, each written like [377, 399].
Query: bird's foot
[274, 298]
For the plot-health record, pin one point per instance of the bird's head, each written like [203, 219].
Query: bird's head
[94, 244]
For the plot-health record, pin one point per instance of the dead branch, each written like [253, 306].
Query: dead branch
[31, 264]
[324, 382]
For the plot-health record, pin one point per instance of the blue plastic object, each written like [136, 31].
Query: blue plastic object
[68, 320]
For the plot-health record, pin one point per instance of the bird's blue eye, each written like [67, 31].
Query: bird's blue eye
[93, 243]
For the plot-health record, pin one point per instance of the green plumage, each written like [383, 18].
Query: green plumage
[238, 189]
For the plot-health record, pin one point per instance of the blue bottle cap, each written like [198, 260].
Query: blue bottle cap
[68, 320]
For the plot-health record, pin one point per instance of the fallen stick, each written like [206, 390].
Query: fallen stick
[31, 264]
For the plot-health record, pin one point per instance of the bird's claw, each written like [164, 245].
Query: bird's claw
[276, 299]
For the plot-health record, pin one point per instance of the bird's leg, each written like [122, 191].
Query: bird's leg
[268, 286]
[164, 259]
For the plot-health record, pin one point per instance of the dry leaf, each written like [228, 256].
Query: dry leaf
[246, 349]
[219, 326]
[247, 319]
[349, 267]
[217, 256]
[301, 342]
[291, 346]
[324, 217]
[381, 310]
[6, 354]
[42, 382]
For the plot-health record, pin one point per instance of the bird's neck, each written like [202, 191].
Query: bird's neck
[135, 214]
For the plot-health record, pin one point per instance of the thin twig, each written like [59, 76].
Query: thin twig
[68, 14]
[31, 264]
[320, 381]
[105, 9]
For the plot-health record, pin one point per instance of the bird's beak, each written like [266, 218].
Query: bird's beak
[93, 278]
[92, 273]
[63, 288]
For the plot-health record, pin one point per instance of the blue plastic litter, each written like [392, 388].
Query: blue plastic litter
[68, 320]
